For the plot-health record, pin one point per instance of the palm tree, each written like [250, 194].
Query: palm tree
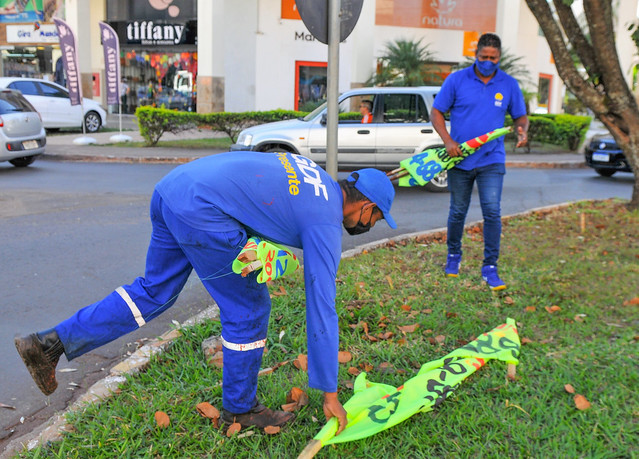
[404, 63]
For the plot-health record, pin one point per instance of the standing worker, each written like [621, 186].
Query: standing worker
[202, 214]
[478, 98]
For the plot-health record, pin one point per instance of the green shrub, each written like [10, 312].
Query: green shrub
[563, 129]
[154, 122]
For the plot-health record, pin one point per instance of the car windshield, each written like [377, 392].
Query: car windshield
[11, 102]
[315, 112]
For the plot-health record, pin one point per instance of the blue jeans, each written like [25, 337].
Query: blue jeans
[490, 181]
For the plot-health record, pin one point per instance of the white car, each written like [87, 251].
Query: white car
[22, 137]
[52, 102]
[400, 128]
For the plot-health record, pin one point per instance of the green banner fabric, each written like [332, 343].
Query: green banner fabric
[424, 166]
[375, 407]
[272, 259]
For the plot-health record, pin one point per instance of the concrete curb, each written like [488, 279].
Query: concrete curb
[53, 430]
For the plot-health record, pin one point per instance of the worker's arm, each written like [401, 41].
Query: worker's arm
[439, 123]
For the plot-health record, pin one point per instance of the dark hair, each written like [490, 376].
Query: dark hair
[368, 103]
[351, 193]
[489, 39]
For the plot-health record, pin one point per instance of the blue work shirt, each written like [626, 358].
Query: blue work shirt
[477, 108]
[284, 198]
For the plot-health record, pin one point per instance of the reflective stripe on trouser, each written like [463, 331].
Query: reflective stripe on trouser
[175, 249]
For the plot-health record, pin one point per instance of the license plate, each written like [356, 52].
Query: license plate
[30, 144]
[601, 157]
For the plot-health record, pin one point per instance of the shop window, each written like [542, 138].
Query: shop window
[160, 79]
[310, 85]
[543, 93]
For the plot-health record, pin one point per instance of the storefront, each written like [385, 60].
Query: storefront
[28, 38]
[158, 52]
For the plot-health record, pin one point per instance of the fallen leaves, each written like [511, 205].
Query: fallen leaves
[295, 399]
[301, 362]
[209, 411]
[581, 402]
[233, 429]
[552, 309]
[632, 302]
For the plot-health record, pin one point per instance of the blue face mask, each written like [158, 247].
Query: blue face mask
[486, 68]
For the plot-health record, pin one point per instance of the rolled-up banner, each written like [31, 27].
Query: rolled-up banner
[111, 47]
[70, 60]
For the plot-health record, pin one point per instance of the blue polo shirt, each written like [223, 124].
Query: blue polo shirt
[284, 198]
[477, 108]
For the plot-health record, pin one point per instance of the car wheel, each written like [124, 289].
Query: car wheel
[92, 122]
[23, 162]
[605, 172]
[274, 149]
[439, 184]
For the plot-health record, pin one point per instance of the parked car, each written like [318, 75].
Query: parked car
[52, 102]
[605, 157]
[22, 136]
[401, 127]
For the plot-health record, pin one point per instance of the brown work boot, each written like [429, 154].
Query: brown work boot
[40, 353]
[259, 416]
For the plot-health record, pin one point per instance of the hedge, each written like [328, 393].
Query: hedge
[565, 130]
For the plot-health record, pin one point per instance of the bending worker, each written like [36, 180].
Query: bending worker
[202, 214]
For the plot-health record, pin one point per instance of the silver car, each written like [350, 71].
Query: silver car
[22, 136]
[399, 129]
[54, 105]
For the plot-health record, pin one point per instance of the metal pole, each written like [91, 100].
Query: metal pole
[332, 87]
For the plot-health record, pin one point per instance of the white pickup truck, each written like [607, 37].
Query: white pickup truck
[400, 128]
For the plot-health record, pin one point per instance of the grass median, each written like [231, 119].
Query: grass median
[573, 288]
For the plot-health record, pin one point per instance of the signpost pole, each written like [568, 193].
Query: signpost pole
[332, 87]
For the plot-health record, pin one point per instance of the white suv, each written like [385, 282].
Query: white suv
[400, 128]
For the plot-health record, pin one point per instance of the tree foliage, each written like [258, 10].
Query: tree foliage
[601, 86]
[404, 63]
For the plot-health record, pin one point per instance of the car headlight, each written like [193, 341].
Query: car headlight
[245, 139]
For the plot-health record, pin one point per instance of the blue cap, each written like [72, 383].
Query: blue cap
[377, 187]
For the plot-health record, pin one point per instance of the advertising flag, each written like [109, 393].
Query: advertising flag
[70, 60]
[111, 47]
[375, 407]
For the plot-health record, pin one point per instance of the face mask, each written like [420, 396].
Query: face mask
[359, 228]
[486, 68]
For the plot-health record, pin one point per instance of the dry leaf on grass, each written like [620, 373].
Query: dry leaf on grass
[634, 302]
[207, 410]
[233, 429]
[406, 307]
[408, 328]
[440, 339]
[568, 388]
[290, 407]
[553, 308]
[271, 430]
[353, 371]
[281, 292]
[390, 282]
[344, 356]
[530, 309]
[525, 340]
[301, 362]
[162, 419]
[581, 402]
[297, 395]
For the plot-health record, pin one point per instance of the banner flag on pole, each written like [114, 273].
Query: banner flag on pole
[111, 47]
[375, 407]
[70, 60]
[424, 166]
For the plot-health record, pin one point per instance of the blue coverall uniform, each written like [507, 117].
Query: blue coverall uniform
[202, 213]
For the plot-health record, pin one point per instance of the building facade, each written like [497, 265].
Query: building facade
[243, 55]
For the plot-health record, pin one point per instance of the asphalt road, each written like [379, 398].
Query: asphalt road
[72, 232]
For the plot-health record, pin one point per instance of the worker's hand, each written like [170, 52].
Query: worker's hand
[522, 137]
[452, 148]
[332, 407]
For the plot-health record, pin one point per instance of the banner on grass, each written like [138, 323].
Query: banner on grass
[376, 407]
[111, 47]
[69, 60]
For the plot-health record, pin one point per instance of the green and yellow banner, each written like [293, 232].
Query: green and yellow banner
[424, 166]
[375, 407]
[272, 259]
